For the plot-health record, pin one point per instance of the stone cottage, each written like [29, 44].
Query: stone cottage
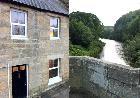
[34, 49]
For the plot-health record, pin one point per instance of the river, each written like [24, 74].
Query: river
[112, 52]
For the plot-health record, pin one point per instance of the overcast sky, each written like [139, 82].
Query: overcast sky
[108, 11]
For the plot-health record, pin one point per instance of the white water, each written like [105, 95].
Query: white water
[112, 52]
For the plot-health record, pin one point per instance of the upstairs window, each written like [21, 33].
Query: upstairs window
[18, 20]
[54, 28]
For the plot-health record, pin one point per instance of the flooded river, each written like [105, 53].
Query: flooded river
[112, 52]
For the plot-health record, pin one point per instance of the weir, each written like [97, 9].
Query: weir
[94, 77]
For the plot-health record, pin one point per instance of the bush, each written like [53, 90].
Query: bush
[94, 50]
[132, 51]
[77, 50]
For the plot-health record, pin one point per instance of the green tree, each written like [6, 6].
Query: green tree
[127, 30]
[127, 26]
[80, 34]
[85, 30]
[107, 32]
[132, 51]
[89, 20]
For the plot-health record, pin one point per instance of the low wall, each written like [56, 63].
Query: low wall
[103, 79]
[59, 90]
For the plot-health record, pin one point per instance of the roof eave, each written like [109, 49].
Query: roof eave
[32, 7]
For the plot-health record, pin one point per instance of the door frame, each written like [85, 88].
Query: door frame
[27, 76]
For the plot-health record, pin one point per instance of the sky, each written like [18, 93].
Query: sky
[108, 11]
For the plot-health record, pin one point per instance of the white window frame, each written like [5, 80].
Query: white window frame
[55, 38]
[57, 78]
[18, 36]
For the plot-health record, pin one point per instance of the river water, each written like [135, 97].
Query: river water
[112, 52]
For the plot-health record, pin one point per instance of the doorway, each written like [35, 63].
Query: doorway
[19, 81]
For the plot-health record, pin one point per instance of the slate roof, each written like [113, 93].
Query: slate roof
[47, 5]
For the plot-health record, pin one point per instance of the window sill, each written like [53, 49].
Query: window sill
[54, 38]
[19, 38]
[54, 80]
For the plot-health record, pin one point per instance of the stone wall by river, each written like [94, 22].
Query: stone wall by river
[103, 79]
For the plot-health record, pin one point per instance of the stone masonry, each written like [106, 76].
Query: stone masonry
[35, 51]
[104, 79]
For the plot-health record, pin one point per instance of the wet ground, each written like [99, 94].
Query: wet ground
[77, 95]
[80, 94]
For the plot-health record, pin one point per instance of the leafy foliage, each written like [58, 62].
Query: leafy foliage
[127, 30]
[85, 30]
[66, 3]
[80, 34]
[132, 51]
[89, 20]
[77, 50]
[95, 48]
[107, 32]
[127, 26]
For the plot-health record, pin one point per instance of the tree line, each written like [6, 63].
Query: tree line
[85, 30]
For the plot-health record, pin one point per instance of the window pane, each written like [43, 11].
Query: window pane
[55, 32]
[15, 30]
[55, 62]
[53, 73]
[50, 74]
[15, 69]
[51, 32]
[50, 63]
[54, 22]
[21, 17]
[22, 30]
[14, 16]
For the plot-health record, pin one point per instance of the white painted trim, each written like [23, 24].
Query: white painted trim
[9, 94]
[21, 37]
[27, 72]
[54, 80]
[58, 67]
[54, 38]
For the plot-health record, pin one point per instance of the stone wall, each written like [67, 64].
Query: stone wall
[59, 91]
[104, 79]
[35, 51]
